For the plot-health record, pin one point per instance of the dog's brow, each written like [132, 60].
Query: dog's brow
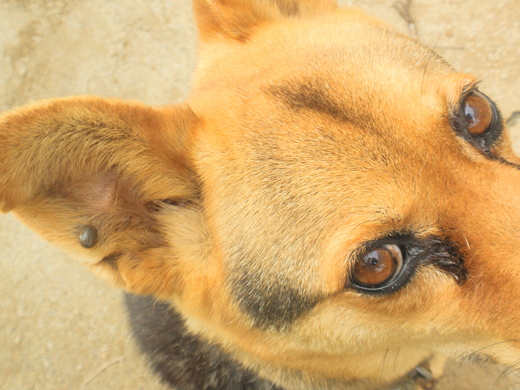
[308, 95]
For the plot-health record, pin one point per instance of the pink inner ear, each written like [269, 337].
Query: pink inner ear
[98, 193]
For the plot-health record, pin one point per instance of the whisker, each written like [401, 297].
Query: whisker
[395, 360]
[486, 347]
[508, 371]
[384, 364]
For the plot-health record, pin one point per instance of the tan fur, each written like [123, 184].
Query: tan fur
[310, 131]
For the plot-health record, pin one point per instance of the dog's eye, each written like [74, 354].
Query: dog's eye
[378, 267]
[478, 121]
[479, 113]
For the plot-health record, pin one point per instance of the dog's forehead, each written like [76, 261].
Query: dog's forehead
[307, 129]
[303, 104]
[325, 68]
[321, 89]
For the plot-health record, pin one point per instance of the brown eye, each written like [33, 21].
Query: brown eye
[479, 113]
[378, 266]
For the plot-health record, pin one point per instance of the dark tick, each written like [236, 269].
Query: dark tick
[88, 236]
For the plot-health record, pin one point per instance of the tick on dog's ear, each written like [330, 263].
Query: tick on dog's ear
[101, 178]
[237, 19]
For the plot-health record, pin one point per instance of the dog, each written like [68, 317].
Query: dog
[331, 196]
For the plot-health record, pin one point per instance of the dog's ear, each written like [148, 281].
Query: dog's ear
[97, 177]
[237, 19]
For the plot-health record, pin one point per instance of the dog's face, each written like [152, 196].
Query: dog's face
[332, 191]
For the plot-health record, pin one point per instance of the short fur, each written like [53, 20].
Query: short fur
[312, 135]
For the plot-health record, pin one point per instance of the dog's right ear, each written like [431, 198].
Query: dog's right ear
[103, 179]
[238, 19]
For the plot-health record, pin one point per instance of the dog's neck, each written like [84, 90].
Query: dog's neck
[185, 361]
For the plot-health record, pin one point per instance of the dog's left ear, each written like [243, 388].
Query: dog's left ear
[238, 19]
[103, 179]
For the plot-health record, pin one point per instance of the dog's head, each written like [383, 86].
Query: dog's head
[332, 191]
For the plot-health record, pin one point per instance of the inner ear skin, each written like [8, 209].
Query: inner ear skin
[106, 219]
[112, 205]
[288, 8]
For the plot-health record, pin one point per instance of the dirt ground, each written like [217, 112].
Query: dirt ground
[61, 328]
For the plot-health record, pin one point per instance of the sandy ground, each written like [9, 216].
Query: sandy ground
[60, 328]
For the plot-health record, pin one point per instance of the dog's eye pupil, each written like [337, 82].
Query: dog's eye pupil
[478, 112]
[378, 266]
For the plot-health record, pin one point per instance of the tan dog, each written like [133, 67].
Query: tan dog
[332, 195]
